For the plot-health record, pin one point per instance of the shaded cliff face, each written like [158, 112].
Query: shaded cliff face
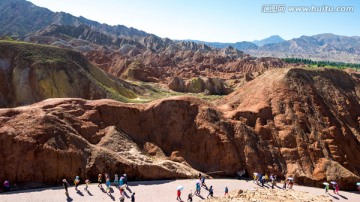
[30, 73]
[57, 138]
[294, 122]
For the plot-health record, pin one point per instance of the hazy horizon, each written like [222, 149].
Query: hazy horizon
[214, 20]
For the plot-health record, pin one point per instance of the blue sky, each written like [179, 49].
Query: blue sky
[215, 20]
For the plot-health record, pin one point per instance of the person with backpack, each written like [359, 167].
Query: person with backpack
[100, 180]
[190, 196]
[76, 182]
[211, 192]
[6, 185]
[66, 185]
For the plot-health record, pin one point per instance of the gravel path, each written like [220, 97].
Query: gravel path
[149, 191]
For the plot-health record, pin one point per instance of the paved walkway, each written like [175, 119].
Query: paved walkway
[148, 191]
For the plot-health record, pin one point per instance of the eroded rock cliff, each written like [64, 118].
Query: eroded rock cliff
[291, 122]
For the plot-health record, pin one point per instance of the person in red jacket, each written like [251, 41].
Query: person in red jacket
[178, 195]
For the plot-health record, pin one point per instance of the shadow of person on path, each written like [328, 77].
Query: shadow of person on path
[89, 192]
[103, 190]
[79, 192]
[111, 196]
[111, 190]
[68, 198]
[337, 198]
[128, 188]
[200, 196]
[344, 197]
[126, 195]
[265, 186]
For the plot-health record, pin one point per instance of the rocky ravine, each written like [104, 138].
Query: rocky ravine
[297, 122]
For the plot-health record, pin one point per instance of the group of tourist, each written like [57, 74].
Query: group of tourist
[335, 186]
[120, 183]
[200, 183]
[288, 183]
[261, 180]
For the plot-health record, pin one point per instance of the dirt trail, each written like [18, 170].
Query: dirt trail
[155, 191]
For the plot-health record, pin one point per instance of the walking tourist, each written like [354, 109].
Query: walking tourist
[190, 197]
[337, 187]
[211, 192]
[197, 192]
[76, 182]
[100, 180]
[178, 194]
[125, 180]
[226, 191]
[116, 180]
[87, 182]
[66, 185]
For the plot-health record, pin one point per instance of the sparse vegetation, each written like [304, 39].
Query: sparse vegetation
[36, 52]
[327, 64]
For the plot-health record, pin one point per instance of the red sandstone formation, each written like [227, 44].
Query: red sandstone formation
[294, 122]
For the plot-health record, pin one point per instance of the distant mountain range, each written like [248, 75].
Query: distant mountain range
[318, 47]
[22, 19]
[328, 47]
[19, 18]
[269, 40]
